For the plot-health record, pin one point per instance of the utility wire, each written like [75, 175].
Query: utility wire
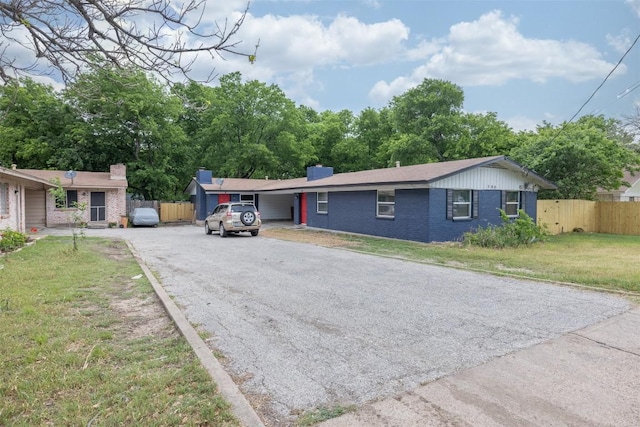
[597, 89]
[605, 79]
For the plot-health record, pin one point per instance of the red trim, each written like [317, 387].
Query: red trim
[303, 208]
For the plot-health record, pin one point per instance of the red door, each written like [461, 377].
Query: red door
[303, 208]
[224, 198]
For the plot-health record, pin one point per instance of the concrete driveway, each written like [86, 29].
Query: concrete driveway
[304, 326]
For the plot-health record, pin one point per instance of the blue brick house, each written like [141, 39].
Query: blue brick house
[432, 202]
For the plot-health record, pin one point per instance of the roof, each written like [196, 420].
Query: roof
[29, 180]
[394, 176]
[630, 177]
[81, 180]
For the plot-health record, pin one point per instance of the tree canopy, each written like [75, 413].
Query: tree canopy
[579, 157]
[248, 129]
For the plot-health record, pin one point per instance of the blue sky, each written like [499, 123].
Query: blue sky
[527, 61]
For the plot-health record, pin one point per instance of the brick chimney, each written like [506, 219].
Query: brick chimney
[118, 172]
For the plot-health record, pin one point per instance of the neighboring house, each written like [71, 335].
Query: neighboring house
[427, 203]
[14, 186]
[626, 193]
[103, 192]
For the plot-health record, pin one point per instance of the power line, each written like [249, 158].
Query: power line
[605, 79]
[564, 125]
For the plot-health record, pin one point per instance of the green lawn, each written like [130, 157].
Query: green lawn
[85, 342]
[598, 260]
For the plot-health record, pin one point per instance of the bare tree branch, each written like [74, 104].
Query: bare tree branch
[160, 36]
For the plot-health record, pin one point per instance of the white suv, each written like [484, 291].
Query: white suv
[233, 218]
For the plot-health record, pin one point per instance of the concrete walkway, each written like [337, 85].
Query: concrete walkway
[589, 377]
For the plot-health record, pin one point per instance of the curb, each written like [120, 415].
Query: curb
[241, 407]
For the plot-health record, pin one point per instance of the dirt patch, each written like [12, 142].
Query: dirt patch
[143, 317]
[320, 238]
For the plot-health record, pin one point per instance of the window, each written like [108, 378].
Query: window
[322, 203]
[70, 200]
[462, 204]
[4, 198]
[386, 205]
[247, 198]
[511, 202]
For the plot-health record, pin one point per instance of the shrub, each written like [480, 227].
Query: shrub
[11, 240]
[512, 233]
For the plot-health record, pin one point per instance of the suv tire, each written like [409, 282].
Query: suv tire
[223, 231]
[248, 217]
[207, 229]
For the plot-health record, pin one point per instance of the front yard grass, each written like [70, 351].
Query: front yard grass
[603, 261]
[84, 341]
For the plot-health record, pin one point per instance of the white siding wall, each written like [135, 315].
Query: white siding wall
[275, 206]
[485, 179]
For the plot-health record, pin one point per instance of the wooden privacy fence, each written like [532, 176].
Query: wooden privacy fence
[168, 212]
[175, 212]
[562, 216]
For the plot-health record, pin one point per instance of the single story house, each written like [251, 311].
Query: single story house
[626, 193]
[27, 203]
[14, 186]
[432, 202]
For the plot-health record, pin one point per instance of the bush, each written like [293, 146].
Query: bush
[512, 233]
[11, 240]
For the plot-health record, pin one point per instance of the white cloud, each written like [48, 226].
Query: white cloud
[620, 42]
[292, 47]
[345, 41]
[491, 51]
[635, 5]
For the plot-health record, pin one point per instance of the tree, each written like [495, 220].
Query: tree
[331, 136]
[578, 157]
[481, 135]
[252, 131]
[428, 115]
[123, 116]
[631, 124]
[155, 36]
[33, 121]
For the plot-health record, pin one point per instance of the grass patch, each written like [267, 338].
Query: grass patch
[600, 260]
[323, 414]
[84, 343]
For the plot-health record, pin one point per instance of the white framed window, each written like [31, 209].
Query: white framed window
[461, 204]
[4, 198]
[386, 203]
[250, 198]
[511, 203]
[322, 202]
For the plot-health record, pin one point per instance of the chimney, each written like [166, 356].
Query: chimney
[14, 166]
[118, 172]
[204, 176]
[318, 172]
[397, 163]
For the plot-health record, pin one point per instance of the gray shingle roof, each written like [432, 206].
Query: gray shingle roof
[81, 180]
[416, 174]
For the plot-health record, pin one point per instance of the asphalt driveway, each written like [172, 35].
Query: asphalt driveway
[308, 326]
